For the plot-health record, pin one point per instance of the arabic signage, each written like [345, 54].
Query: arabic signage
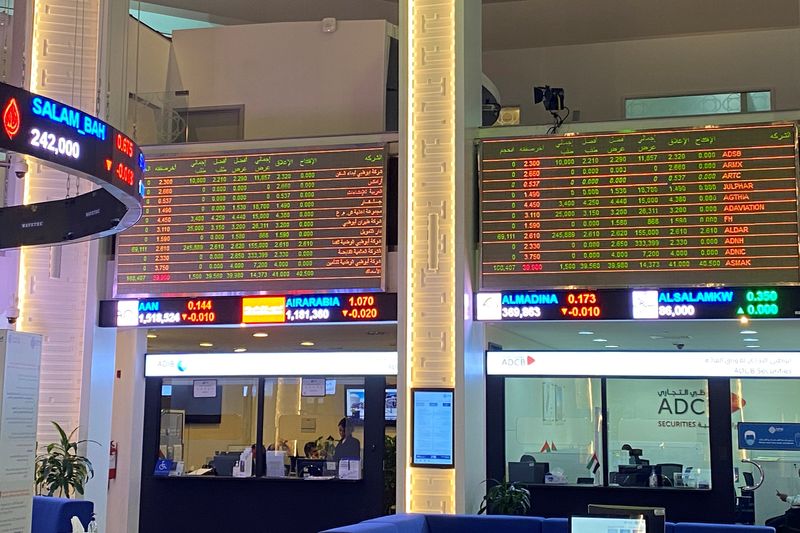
[768, 436]
[258, 220]
[77, 143]
[639, 304]
[644, 364]
[254, 310]
[703, 205]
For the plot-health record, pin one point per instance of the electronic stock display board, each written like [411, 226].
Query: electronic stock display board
[667, 207]
[249, 310]
[258, 220]
[639, 304]
[78, 143]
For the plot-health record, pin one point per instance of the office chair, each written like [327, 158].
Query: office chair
[527, 459]
[668, 471]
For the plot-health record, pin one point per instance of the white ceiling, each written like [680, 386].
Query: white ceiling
[529, 23]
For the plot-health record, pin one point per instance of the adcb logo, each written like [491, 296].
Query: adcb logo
[518, 361]
[11, 118]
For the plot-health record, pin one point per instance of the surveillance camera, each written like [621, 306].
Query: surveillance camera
[551, 97]
[679, 345]
[12, 314]
[19, 167]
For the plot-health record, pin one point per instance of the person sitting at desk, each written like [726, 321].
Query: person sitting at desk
[792, 515]
[349, 447]
[310, 450]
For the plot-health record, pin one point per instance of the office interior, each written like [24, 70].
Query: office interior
[179, 85]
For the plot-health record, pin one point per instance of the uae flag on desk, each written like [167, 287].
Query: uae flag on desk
[594, 464]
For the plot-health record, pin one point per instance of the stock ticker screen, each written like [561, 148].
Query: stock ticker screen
[298, 219]
[683, 206]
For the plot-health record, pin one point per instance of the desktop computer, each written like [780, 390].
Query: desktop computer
[528, 473]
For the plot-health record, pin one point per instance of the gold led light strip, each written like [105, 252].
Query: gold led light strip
[430, 258]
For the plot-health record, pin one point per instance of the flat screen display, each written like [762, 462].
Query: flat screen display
[354, 404]
[432, 428]
[258, 221]
[662, 207]
[597, 524]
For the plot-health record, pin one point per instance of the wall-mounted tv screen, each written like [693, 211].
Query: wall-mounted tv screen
[354, 404]
[204, 410]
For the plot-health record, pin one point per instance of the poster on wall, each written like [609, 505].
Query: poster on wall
[776, 436]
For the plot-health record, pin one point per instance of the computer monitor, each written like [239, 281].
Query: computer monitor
[310, 467]
[607, 524]
[223, 462]
[525, 472]
[654, 517]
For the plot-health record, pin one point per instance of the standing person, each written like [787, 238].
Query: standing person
[349, 447]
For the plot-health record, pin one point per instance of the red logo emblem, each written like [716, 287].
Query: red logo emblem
[11, 118]
[530, 360]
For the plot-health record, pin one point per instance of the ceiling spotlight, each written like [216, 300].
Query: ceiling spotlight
[260, 334]
[599, 340]
[152, 336]
[611, 346]
[753, 346]
[750, 339]
[586, 333]
[206, 344]
[744, 320]
[240, 350]
[306, 343]
[747, 332]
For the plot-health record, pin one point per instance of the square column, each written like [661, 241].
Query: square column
[441, 44]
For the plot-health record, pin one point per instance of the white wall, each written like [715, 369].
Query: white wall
[598, 77]
[293, 79]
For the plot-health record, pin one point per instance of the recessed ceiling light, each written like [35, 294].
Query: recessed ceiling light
[206, 344]
[750, 339]
[586, 333]
[240, 350]
[599, 340]
[306, 343]
[753, 346]
[612, 346]
[260, 334]
[747, 332]
[152, 336]
[744, 320]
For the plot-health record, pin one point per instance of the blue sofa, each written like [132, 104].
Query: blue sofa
[52, 515]
[420, 523]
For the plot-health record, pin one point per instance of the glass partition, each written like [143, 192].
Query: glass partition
[658, 433]
[207, 423]
[314, 429]
[773, 405]
[553, 430]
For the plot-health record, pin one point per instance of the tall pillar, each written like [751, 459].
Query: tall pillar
[441, 99]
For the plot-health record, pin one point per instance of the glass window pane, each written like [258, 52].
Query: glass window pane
[772, 401]
[759, 101]
[678, 106]
[658, 428]
[208, 422]
[307, 426]
[553, 421]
